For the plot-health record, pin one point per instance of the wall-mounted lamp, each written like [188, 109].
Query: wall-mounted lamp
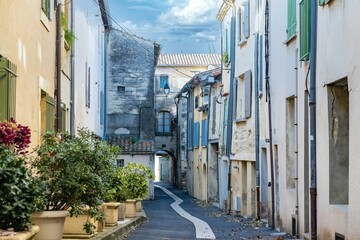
[166, 89]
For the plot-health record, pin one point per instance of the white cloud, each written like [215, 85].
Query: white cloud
[190, 13]
[206, 37]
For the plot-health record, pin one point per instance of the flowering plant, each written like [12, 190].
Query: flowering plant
[13, 134]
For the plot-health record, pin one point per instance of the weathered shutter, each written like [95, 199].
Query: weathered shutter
[246, 19]
[304, 30]
[261, 65]
[196, 134]
[247, 79]
[321, 2]
[239, 24]
[204, 132]
[235, 99]
[63, 117]
[7, 89]
[51, 9]
[291, 27]
[50, 113]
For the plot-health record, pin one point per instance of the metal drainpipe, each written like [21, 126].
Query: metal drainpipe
[72, 76]
[207, 141]
[231, 100]
[312, 103]
[106, 39]
[257, 126]
[296, 144]
[58, 68]
[269, 113]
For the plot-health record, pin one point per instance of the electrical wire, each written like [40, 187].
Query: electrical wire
[133, 36]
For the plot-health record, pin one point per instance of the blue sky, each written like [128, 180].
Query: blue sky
[180, 26]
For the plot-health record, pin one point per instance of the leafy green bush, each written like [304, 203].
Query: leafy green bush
[76, 172]
[135, 179]
[19, 193]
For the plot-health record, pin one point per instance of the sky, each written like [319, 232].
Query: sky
[179, 26]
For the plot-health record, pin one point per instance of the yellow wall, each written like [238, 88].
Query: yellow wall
[28, 40]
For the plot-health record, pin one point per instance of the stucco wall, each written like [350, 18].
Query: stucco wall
[32, 49]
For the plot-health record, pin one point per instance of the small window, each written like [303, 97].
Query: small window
[120, 88]
[46, 7]
[164, 80]
[120, 162]
[243, 96]
[197, 102]
[163, 122]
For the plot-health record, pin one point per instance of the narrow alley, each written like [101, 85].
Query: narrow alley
[165, 223]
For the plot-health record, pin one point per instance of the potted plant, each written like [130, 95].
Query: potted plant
[118, 192]
[19, 192]
[136, 181]
[74, 171]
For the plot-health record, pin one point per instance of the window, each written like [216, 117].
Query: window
[323, 2]
[304, 30]
[120, 162]
[239, 24]
[47, 106]
[243, 96]
[7, 89]
[163, 122]
[46, 6]
[338, 115]
[87, 86]
[164, 80]
[246, 22]
[291, 21]
[197, 102]
[121, 88]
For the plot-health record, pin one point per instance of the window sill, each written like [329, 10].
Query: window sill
[242, 42]
[290, 39]
[240, 120]
[45, 21]
[163, 134]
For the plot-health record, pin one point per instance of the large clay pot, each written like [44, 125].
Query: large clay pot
[51, 224]
[23, 235]
[130, 211]
[74, 226]
[111, 213]
[121, 211]
[138, 204]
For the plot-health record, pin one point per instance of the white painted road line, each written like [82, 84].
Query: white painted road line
[203, 230]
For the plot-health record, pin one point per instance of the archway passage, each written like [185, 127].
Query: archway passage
[165, 167]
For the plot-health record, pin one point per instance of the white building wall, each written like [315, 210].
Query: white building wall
[89, 52]
[338, 56]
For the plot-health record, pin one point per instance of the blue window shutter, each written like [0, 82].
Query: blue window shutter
[246, 19]
[204, 132]
[196, 134]
[239, 24]
[51, 10]
[247, 94]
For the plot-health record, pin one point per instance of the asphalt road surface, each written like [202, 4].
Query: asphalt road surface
[175, 215]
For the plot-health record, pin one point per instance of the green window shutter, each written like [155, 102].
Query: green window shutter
[291, 27]
[321, 2]
[63, 117]
[304, 30]
[46, 7]
[50, 113]
[7, 89]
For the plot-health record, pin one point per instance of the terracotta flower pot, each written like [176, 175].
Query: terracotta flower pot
[111, 213]
[138, 204]
[121, 211]
[130, 211]
[74, 226]
[51, 224]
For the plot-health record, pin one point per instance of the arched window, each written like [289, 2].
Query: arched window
[163, 122]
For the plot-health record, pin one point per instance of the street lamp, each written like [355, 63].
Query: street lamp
[166, 89]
